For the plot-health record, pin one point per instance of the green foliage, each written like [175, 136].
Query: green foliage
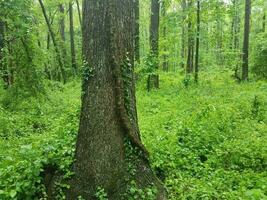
[206, 141]
[101, 194]
[259, 67]
[148, 66]
[136, 193]
[36, 134]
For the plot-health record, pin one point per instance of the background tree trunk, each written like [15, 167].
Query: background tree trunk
[137, 31]
[246, 41]
[183, 34]
[197, 42]
[72, 44]
[3, 70]
[153, 80]
[61, 65]
[263, 21]
[62, 32]
[79, 11]
[109, 152]
[190, 51]
[163, 12]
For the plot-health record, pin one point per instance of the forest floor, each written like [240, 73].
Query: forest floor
[207, 141]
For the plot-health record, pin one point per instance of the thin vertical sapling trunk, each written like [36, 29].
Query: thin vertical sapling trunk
[72, 44]
[246, 41]
[197, 42]
[61, 65]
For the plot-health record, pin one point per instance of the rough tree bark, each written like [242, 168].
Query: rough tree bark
[61, 65]
[137, 31]
[153, 80]
[197, 42]
[246, 41]
[109, 151]
[72, 44]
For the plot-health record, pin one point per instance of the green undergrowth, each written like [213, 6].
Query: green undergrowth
[33, 134]
[206, 141]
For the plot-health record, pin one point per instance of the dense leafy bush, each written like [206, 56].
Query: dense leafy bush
[34, 134]
[259, 66]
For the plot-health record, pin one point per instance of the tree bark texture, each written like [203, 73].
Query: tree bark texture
[109, 151]
[153, 79]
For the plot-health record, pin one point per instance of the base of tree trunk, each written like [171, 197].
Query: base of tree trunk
[141, 178]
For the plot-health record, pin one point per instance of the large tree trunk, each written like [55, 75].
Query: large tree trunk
[61, 65]
[197, 42]
[72, 44]
[246, 40]
[153, 80]
[109, 152]
[137, 32]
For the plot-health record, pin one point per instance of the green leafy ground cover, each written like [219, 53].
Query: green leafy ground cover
[207, 141]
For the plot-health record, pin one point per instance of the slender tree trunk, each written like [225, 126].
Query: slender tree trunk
[72, 44]
[183, 34]
[137, 31]
[6, 73]
[165, 63]
[62, 32]
[237, 31]
[109, 152]
[235, 26]
[79, 11]
[263, 21]
[61, 65]
[197, 42]
[190, 55]
[246, 41]
[153, 80]
[3, 70]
